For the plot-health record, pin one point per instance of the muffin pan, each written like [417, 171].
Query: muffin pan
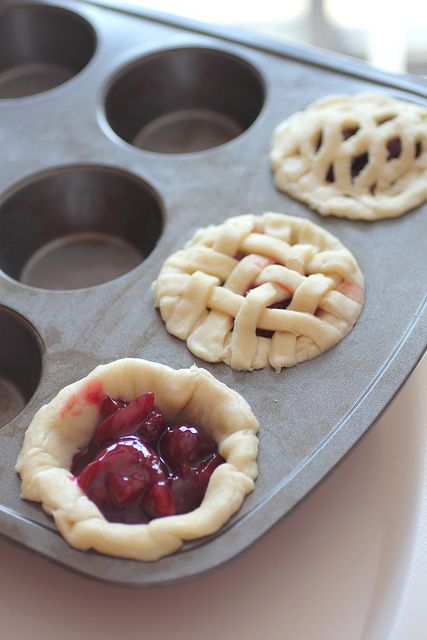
[125, 131]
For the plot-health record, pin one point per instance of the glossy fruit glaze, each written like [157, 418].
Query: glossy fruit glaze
[136, 467]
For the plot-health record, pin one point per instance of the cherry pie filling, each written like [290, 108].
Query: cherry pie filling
[137, 467]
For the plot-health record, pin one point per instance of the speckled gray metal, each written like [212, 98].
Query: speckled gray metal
[311, 415]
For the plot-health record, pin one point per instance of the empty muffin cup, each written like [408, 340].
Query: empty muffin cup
[41, 47]
[184, 100]
[76, 227]
[20, 363]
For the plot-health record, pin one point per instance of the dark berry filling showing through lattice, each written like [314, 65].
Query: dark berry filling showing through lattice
[358, 164]
[348, 132]
[394, 148]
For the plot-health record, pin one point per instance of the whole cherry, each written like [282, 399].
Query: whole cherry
[185, 444]
[121, 474]
[125, 420]
[189, 487]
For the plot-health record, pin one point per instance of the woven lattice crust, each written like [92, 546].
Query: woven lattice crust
[218, 293]
[362, 156]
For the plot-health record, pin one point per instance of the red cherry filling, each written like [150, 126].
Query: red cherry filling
[137, 468]
[125, 420]
[110, 406]
[152, 428]
[185, 444]
[120, 477]
[189, 486]
[348, 132]
[394, 148]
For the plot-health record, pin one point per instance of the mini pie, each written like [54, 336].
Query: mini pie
[361, 156]
[260, 290]
[65, 426]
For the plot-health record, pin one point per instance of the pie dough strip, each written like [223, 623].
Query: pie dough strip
[244, 340]
[341, 306]
[309, 294]
[267, 246]
[208, 339]
[229, 239]
[203, 259]
[287, 279]
[283, 350]
[191, 305]
[246, 273]
[337, 262]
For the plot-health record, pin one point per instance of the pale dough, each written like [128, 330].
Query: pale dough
[202, 291]
[361, 156]
[65, 425]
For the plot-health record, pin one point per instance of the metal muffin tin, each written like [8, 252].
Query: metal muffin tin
[83, 205]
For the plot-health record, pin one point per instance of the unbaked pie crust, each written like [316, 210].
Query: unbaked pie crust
[361, 156]
[215, 293]
[65, 425]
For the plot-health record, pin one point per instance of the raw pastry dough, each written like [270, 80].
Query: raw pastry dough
[216, 292]
[66, 424]
[361, 156]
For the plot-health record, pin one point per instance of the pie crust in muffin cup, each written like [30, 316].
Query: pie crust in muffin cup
[360, 156]
[64, 426]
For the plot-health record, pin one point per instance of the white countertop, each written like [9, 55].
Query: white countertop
[350, 563]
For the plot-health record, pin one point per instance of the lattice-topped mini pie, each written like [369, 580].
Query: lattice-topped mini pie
[361, 156]
[260, 290]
